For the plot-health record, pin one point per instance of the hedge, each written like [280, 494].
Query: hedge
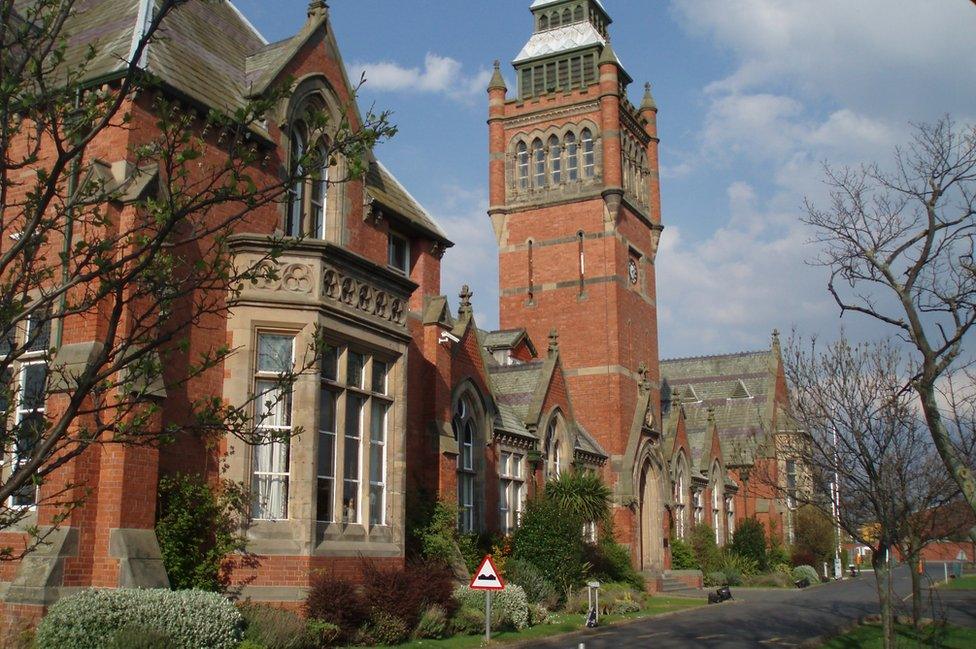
[189, 618]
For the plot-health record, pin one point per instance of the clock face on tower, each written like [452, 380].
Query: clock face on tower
[632, 271]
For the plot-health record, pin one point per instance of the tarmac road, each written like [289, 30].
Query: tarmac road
[771, 617]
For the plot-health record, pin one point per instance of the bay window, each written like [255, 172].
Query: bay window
[511, 495]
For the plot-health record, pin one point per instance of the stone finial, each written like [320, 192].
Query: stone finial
[317, 8]
[644, 372]
[648, 102]
[497, 80]
[775, 338]
[553, 342]
[711, 415]
[465, 307]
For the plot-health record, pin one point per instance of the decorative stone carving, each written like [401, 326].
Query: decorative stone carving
[362, 296]
[293, 278]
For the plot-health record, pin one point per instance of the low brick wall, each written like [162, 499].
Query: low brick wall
[691, 578]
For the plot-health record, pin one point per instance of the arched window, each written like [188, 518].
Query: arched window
[544, 23]
[522, 162]
[296, 195]
[578, 13]
[464, 425]
[679, 501]
[717, 514]
[589, 156]
[556, 160]
[554, 464]
[554, 19]
[320, 193]
[539, 156]
[572, 159]
[567, 16]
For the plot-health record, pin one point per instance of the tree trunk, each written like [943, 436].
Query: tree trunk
[882, 575]
[913, 559]
[957, 466]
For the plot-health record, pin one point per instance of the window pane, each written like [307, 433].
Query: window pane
[376, 504]
[326, 457]
[38, 332]
[327, 411]
[517, 466]
[354, 422]
[350, 501]
[324, 497]
[273, 404]
[398, 257]
[356, 363]
[275, 353]
[379, 377]
[33, 383]
[330, 363]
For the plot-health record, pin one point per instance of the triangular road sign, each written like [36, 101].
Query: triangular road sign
[486, 577]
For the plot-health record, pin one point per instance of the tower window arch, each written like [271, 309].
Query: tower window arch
[578, 13]
[310, 162]
[567, 16]
[539, 159]
[572, 157]
[522, 163]
[543, 22]
[589, 155]
[554, 19]
[556, 160]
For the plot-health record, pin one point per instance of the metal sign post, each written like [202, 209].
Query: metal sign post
[486, 578]
[488, 616]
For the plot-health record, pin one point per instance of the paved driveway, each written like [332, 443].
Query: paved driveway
[766, 618]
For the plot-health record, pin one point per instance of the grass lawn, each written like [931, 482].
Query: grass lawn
[565, 623]
[869, 637]
[967, 582]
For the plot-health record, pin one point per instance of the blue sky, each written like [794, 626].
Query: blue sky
[754, 96]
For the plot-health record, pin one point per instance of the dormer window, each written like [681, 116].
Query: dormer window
[398, 257]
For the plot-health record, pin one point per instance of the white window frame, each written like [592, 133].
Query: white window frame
[330, 437]
[511, 501]
[28, 358]
[698, 506]
[377, 506]
[730, 515]
[716, 515]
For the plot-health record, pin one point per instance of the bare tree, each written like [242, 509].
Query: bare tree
[899, 247]
[864, 433]
[139, 253]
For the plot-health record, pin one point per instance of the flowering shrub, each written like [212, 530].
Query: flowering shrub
[511, 603]
[189, 618]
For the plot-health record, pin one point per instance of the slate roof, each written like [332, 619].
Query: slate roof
[717, 382]
[514, 388]
[503, 339]
[210, 53]
[587, 443]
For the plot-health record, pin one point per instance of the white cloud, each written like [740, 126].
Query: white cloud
[878, 56]
[440, 74]
[463, 213]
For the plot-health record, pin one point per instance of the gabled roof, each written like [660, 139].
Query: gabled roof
[587, 443]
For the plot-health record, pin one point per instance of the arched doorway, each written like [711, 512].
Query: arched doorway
[651, 508]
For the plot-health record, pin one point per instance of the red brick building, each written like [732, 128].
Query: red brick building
[410, 399]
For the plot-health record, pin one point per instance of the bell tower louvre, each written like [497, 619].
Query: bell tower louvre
[575, 207]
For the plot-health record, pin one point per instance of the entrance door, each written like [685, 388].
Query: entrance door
[652, 544]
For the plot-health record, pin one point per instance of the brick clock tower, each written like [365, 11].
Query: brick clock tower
[575, 206]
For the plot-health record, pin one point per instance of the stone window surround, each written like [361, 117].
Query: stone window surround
[680, 489]
[301, 534]
[556, 438]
